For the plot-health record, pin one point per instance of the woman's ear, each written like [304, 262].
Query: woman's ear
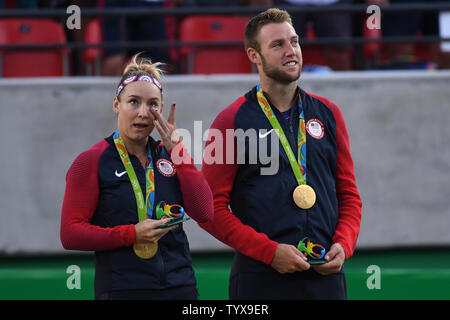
[116, 105]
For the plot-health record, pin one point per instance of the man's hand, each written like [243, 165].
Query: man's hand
[335, 258]
[288, 259]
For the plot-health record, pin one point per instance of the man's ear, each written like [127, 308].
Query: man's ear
[253, 55]
[116, 105]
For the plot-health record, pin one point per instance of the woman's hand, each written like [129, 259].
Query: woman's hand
[167, 128]
[146, 230]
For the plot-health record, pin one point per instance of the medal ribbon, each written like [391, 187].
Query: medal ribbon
[298, 164]
[145, 208]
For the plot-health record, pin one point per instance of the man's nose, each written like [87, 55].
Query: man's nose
[290, 50]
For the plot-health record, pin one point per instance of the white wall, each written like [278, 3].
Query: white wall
[399, 134]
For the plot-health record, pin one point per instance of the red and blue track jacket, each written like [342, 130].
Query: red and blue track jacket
[263, 212]
[99, 213]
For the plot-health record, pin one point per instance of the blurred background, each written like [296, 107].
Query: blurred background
[387, 70]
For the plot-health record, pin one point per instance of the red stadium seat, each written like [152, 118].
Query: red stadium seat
[220, 59]
[376, 53]
[33, 62]
[93, 56]
[312, 54]
[371, 49]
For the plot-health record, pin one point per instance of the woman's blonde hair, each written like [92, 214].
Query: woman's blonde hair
[142, 65]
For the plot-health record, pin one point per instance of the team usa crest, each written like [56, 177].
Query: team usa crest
[165, 167]
[315, 128]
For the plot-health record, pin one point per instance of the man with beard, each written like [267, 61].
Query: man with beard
[292, 230]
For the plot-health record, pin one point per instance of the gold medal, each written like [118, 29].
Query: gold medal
[145, 250]
[304, 196]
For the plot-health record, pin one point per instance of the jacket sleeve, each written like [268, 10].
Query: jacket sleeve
[349, 201]
[79, 204]
[220, 173]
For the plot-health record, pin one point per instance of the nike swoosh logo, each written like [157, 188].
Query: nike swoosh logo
[118, 175]
[263, 135]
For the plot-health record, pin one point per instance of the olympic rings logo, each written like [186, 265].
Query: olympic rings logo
[309, 249]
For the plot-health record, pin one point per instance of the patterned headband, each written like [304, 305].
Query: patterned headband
[138, 77]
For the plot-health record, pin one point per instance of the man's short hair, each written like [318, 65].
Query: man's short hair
[272, 15]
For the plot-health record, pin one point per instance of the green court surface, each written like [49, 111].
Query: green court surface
[419, 273]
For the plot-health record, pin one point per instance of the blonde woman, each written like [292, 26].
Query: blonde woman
[125, 196]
